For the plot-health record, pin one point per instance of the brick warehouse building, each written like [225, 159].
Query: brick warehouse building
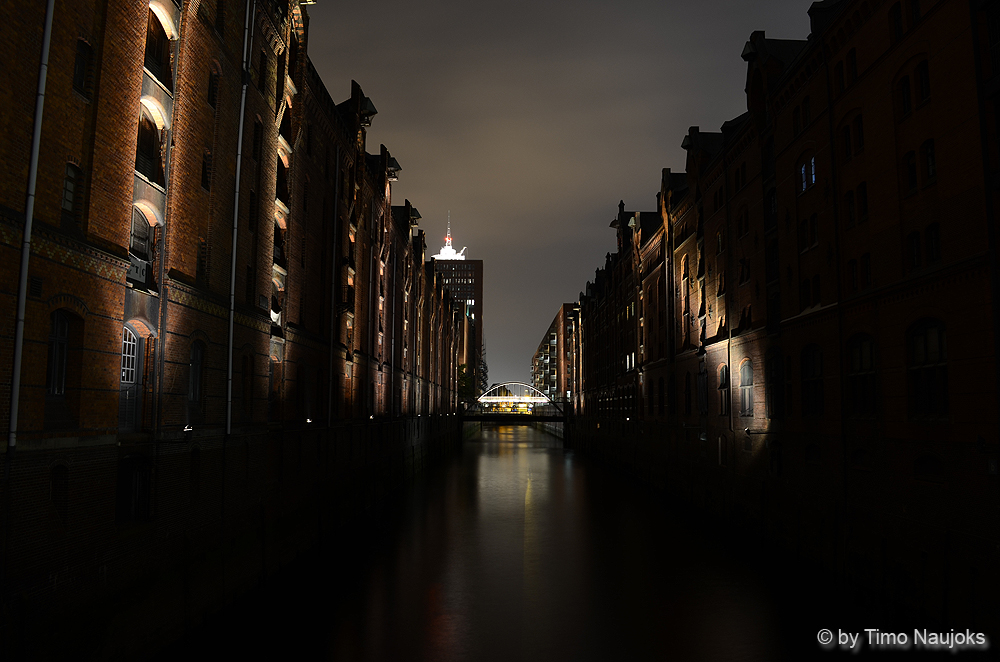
[209, 316]
[817, 254]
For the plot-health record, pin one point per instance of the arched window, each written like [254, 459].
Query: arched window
[724, 390]
[923, 76]
[139, 240]
[746, 388]
[861, 377]
[195, 370]
[812, 381]
[147, 149]
[130, 347]
[896, 23]
[157, 56]
[927, 370]
[807, 173]
[904, 98]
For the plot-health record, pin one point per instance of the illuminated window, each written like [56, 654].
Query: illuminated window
[129, 355]
[746, 388]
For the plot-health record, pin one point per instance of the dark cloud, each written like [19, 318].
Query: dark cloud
[530, 120]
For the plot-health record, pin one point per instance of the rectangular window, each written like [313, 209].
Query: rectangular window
[70, 185]
[852, 65]
[859, 133]
[846, 135]
[81, 67]
[866, 270]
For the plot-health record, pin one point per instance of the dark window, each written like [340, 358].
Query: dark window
[206, 170]
[139, 240]
[157, 54]
[814, 230]
[81, 67]
[254, 215]
[838, 78]
[862, 201]
[905, 99]
[929, 162]
[852, 275]
[861, 377]
[896, 22]
[805, 294]
[55, 381]
[933, 241]
[866, 270]
[805, 112]
[914, 7]
[812, 381]
[852, 65]
[746, 389]
[195, 371]
[213, 89]
[846, 139]
[859, 133]
[220, 17]
[923, 82]
[816, 297]
[803, 234]
[850, 208]
[927, 370]
[770, 210]
[910, 171]
[724, 391]
[147, 151]
[71, 185]
[796, 121]
[913, 250]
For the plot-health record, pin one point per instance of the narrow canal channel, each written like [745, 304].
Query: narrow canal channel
[515, 550]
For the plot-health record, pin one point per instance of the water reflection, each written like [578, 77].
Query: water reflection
[519, 550]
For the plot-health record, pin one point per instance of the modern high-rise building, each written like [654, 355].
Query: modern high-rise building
[463, 278]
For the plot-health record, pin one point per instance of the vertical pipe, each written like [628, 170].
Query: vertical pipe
[236, 220]
[29, 212]
[22, 291]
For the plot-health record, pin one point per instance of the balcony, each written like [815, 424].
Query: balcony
[149, 197]
[157, 99]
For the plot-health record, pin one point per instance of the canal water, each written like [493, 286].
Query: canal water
[516, 549]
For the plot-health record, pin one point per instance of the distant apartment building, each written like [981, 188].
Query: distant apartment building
[554, 368]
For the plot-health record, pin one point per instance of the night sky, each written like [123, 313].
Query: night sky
[529, 121]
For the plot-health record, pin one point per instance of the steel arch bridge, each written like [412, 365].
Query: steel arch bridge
[514, 401]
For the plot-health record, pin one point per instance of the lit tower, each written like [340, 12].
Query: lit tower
[463, 278]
